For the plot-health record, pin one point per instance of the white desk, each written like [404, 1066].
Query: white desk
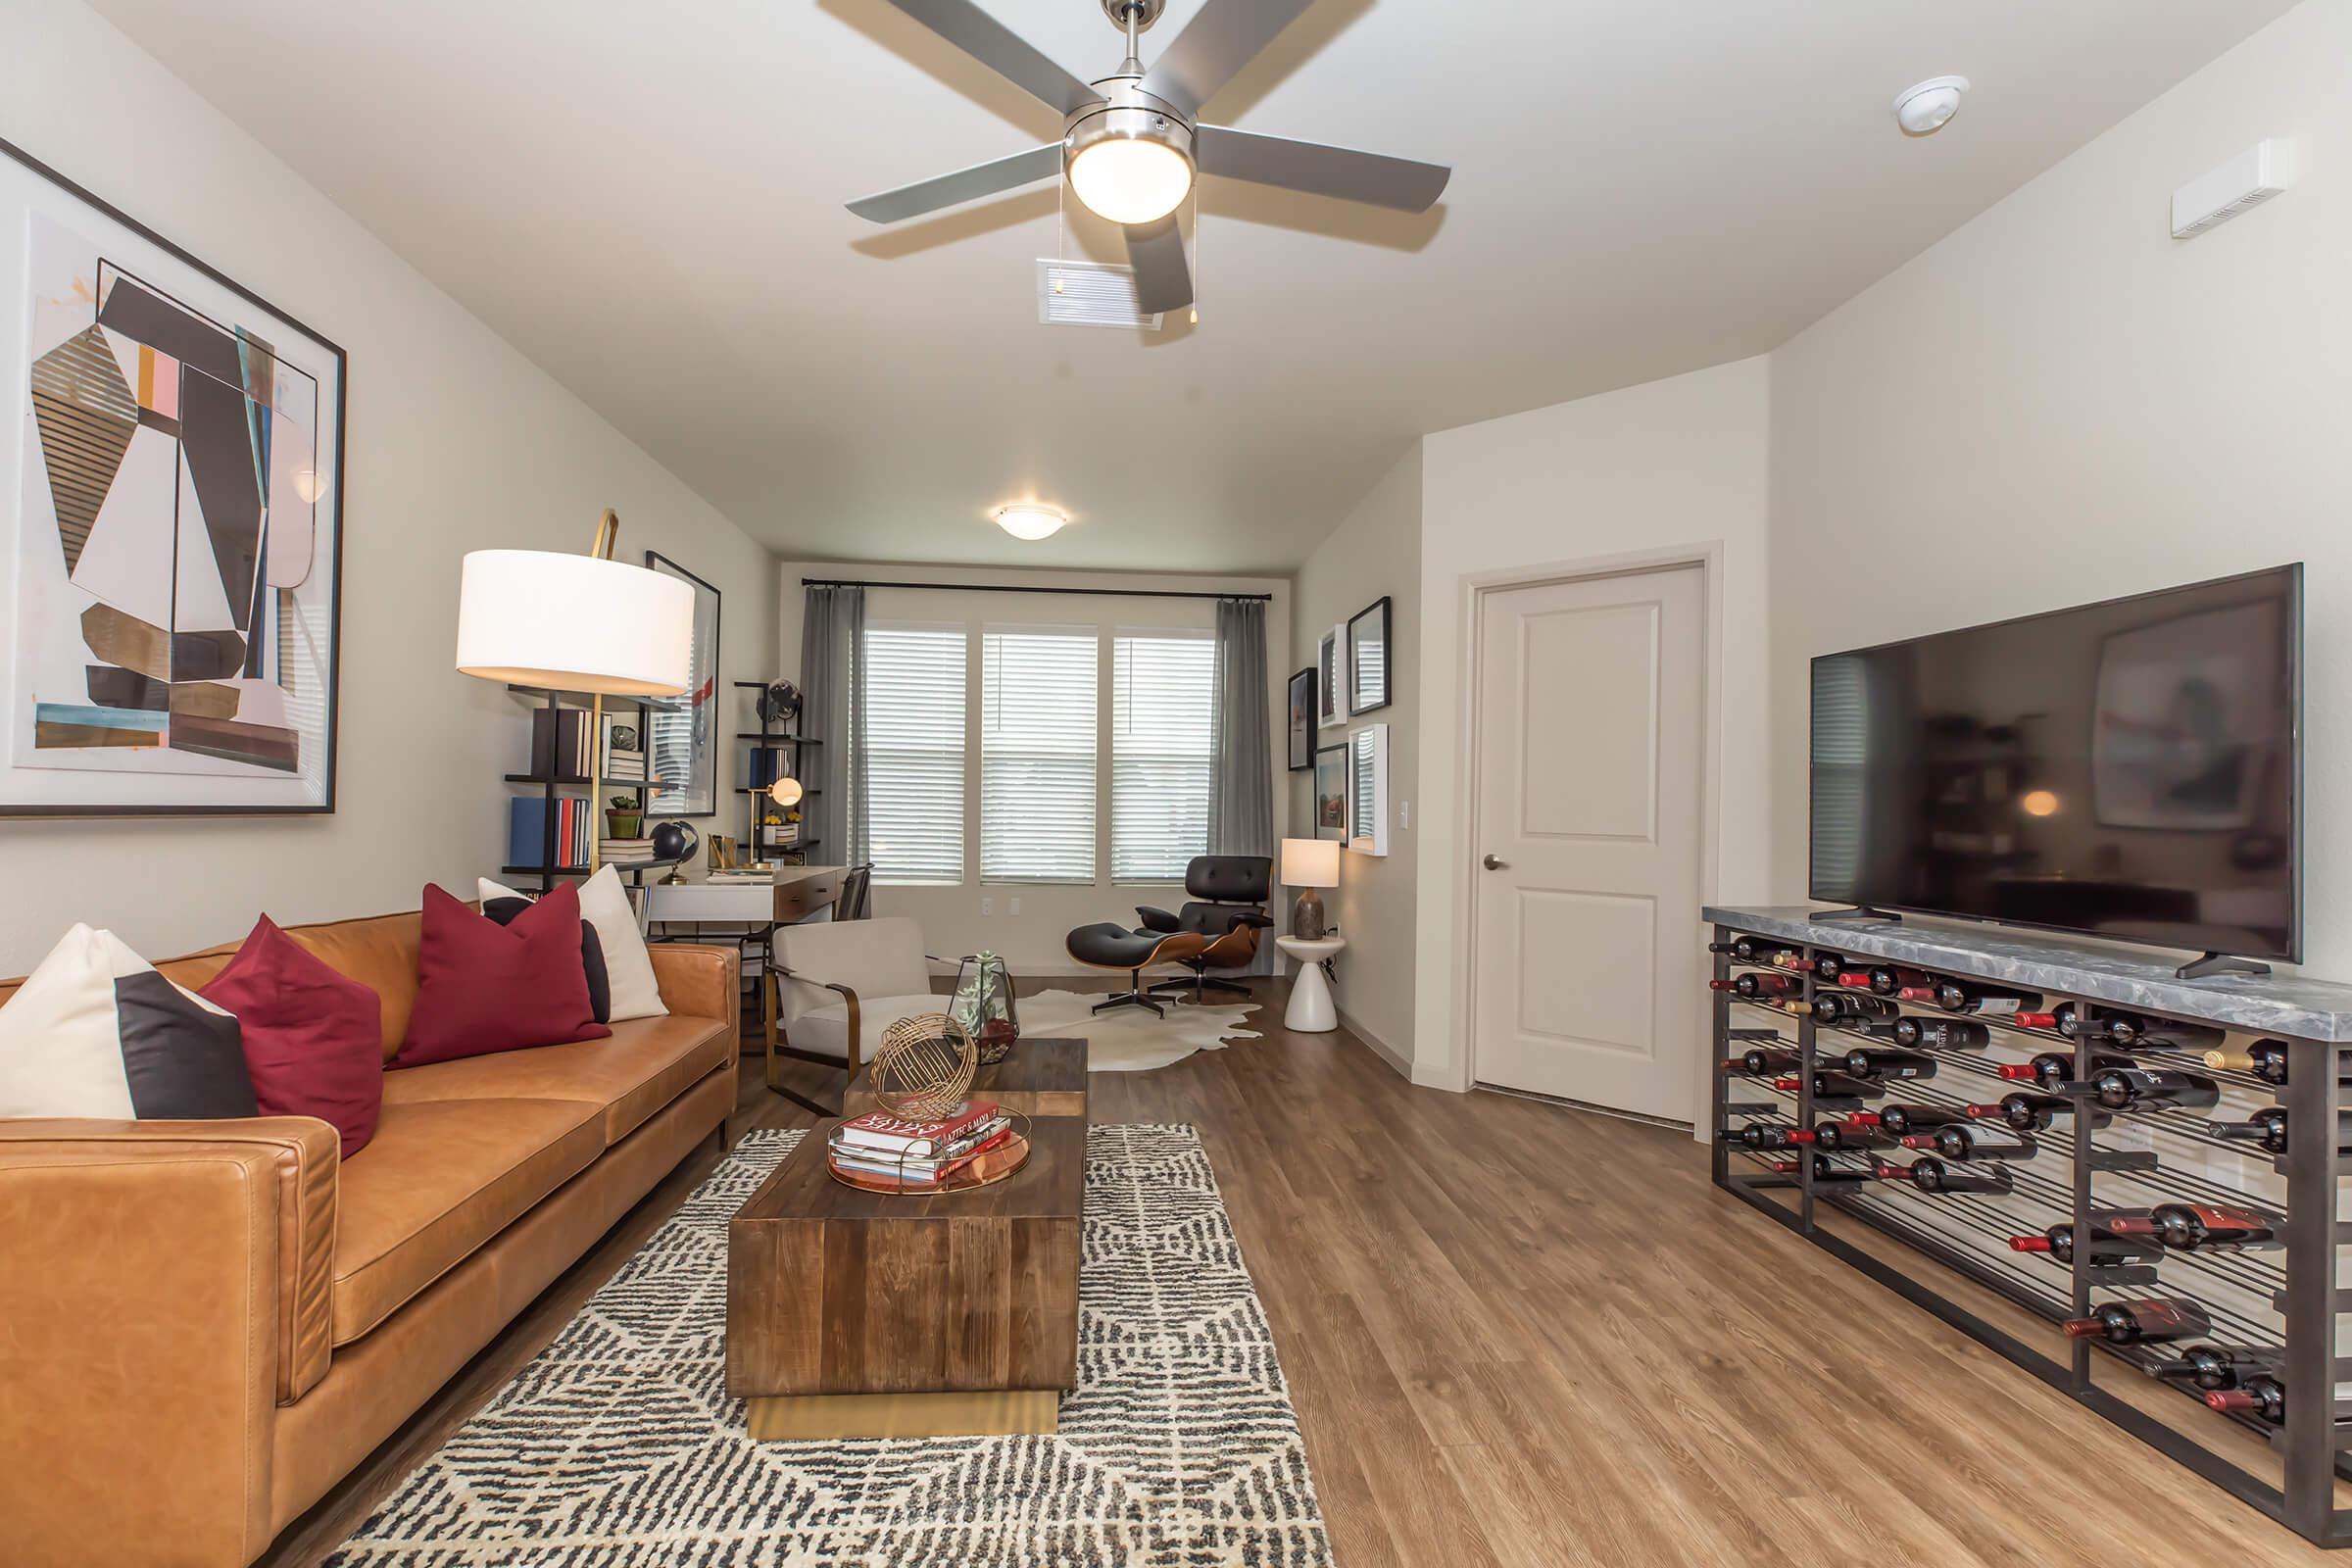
[798, 893]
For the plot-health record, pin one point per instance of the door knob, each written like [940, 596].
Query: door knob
[1492, 864]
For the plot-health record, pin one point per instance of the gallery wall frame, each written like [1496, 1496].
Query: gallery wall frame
[1330, 809]
[687, 726]
[1368, 790]
[1370, 639]
[1303, 720]
[1331, 678]
[171, 585]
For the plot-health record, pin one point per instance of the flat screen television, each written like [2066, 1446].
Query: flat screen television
[2129, 769]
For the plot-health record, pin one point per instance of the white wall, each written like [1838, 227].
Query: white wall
[2061, 402]
[1032, 942]
[1674, 466]
[455, 442]
[1375, 551]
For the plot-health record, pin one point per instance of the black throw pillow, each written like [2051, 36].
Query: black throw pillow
[591, 954]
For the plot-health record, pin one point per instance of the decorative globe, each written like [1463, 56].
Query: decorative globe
[780, 704]
[674, 840]
[923, 1068]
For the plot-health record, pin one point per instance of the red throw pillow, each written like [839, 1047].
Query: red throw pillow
[482, 987]
[314, 1037]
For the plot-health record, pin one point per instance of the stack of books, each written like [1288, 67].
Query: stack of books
[628, 851]
[743, 874]
[624, 753]
[919, 1153]
[527, 832]
[558, 743]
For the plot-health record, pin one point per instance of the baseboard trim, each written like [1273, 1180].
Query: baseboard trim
[1398, 1060]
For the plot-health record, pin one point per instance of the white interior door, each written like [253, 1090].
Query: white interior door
[1591, 713]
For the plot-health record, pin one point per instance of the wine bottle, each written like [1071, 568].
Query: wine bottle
[1974, 1140]
[1941, 1034]
[2205, 1228]
[1931, 1175]
[2151, 1318]
[2265, 1059]
[1901, 1120]
[1833, 1086]
[2050, 1068]
[1886, 979]
[1845, 1135]
[1762, 1135]
[1763, 983]
[1746, 949]
[2028, 1113]
[2267, 1128]
[1864, 1062]
[2261, 1397]
[1953, 997]
[1828, 965]
[2153, 1089]
[1762, 1061]
[2214, 1366]
[1823, 1170]
[2033, 1020]
[1850, 1007]
[2067, 1020]
[2106, 1247]
[2133, 1032]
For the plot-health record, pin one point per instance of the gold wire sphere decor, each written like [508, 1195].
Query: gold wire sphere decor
[923, 1068]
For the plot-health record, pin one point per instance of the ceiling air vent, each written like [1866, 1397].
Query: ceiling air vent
[1089, 294]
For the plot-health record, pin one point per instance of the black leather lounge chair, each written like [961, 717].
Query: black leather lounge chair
[1114, 946]
[1226, 914]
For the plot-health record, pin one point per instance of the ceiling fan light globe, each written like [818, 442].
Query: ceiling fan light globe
[1129, 180]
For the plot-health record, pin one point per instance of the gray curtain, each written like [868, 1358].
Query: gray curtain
[833, 698]
[1241, 794]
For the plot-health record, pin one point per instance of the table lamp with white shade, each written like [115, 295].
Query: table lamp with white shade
[575, 623]
[1308, 864]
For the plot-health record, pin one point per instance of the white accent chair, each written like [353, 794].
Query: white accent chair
[834, 986]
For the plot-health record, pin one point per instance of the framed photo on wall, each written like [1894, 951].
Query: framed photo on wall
[1331, 792]
[1368, 644]
[1303, 720]
[172, 584]
[682, 732]
[1331, 680]
[1368, 790]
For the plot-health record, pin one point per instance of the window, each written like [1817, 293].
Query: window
[914, 743]
[1162, 687]
[1037, 756]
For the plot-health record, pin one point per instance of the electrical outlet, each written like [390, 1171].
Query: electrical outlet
[1012, 905]
[988, 906]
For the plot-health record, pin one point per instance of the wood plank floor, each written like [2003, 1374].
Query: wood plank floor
[1519, 1334]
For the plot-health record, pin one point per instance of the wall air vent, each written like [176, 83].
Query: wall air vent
[2249, 180]
[1089, 294]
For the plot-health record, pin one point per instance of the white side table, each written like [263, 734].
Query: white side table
[1311, 1012]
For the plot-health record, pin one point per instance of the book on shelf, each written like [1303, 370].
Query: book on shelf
[897, 1135]
[558, 742]
[628, 851]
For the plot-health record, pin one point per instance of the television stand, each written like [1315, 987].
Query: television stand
[1862, 912]
[2213, 964]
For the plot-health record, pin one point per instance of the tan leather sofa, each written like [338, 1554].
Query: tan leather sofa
[205, 1325]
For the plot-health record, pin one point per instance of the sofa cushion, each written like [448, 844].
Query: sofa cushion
[312, 1035]
[826, 1030]
[646, 1063]
[482, 987]
[442, 1177]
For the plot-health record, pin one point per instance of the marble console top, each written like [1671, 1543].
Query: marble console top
[2281, 1004]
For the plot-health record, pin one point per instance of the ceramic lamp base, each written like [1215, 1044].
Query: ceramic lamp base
[1306, 915]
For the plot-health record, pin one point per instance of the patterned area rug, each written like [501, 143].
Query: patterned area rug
[618, 1445]
[1129, 1039]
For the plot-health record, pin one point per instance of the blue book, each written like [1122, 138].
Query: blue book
[526, 830]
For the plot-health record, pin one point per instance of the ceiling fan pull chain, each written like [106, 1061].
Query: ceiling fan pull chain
[1195, 253]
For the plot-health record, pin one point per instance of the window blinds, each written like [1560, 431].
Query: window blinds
[1161, 692]
[915, 716]
[1037, 755]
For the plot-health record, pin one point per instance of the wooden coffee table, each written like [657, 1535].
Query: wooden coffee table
[1040, 1078]
[855, 1314]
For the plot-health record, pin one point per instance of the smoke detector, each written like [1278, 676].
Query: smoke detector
[1924, 107]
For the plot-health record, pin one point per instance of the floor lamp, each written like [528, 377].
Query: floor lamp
[576, 623]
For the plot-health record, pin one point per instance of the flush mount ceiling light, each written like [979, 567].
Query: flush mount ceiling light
[1132, 142]
[1925, 106]
[1026, 522]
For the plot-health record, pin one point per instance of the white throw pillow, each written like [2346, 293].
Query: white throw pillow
[95, 1031]
[628, 967]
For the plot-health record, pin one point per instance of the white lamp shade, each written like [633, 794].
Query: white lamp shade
[1311, 862]
[785, 791]
[574, 623]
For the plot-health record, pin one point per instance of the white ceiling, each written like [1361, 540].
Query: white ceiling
[648, 201]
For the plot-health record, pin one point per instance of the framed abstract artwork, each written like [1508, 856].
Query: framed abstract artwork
[173, 576]
[1331, 792]
[1331, 677]
[682, 731]
[1303, 720]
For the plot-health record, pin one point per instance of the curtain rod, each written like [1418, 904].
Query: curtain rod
[1011, 588]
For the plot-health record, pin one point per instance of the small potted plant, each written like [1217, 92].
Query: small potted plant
[624, 819]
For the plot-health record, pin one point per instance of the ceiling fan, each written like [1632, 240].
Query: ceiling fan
[1133, 142]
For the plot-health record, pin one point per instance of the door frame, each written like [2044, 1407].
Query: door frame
[1477, 588]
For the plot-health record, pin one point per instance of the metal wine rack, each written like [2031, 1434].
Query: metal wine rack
[2094, 1164]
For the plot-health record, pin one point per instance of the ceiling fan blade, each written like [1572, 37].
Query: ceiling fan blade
[963, 186]
[1309, 166]
[1163, 280]
[1225, 36]
[1001, 50]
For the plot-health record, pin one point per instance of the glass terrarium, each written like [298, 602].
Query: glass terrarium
[983, 1003]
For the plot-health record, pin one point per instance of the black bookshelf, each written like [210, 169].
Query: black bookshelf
[553, 787]
[770, 738]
